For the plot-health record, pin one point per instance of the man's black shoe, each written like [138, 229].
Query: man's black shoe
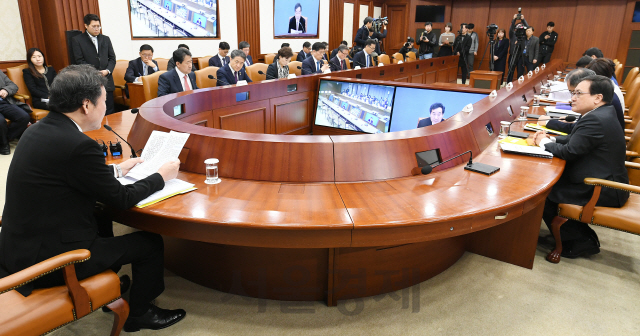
[580, 248]
[155, 318]
[125, 283]
[5, 150]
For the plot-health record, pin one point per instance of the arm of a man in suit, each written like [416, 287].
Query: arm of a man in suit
[78, 56]
[8, 86]
[164, 87]
[88, 174]
[586, 135]
[558, 125]
[111, 56]
[359, 38]
[306, 70]
[194, 84]
[536, 49]
[130, 74]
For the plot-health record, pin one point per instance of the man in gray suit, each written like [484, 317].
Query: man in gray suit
[530, 51]
[11, 109]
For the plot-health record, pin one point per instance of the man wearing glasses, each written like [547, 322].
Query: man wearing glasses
[340, 61]
[363, 57]
[141, 66]
[595, 148]
[95, 49]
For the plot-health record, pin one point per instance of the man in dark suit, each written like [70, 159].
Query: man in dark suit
[12, 109]
[363, 57]
[363, 34]
[530, 52]
[95, 49]
[461, 47]
[436, 114]
[141, 66]
[339, 61]
[594, 148]
[245, 47]
[67, 190]
[172, 63]
[315, 63]
[179, 79]
[305, 52]
[233, 72]
[221, 59]
[297, 23]
[335, 51]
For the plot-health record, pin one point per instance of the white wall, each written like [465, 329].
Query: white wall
[114, 15]
[12, 38]
[268, 44]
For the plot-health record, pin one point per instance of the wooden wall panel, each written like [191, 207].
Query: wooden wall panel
[32, 25]
[248, 19]
[204, 119]
[589, 30]
[397, 35]
[251, 121]
[292, 114]
[476, 12]
[336, 21]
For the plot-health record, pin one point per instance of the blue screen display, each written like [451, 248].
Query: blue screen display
[168, 5]
[200, 20]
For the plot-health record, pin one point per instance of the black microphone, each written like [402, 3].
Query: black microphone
[359, 64]
[133, 152]
[219, 80]
[262, 73]
[475, 167]
[135, 110]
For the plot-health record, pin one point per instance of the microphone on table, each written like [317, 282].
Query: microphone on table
[133, 152]
[262, 73]
[475, 167]
[135, 110]
[359, 64]
[219, 80]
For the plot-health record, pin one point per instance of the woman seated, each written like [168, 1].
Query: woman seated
[38, 77]
[280, 68]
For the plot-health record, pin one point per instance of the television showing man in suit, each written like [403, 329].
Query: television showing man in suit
[180, 78]
[596, 148]
[67, 190]
[305, 52]
[315, 63]
[245, 47]
[436, 113]
[221, 59]
[363, 57]
[95, 49]
[339, 62]
[298, 23]
[141, 66]
[233, 72]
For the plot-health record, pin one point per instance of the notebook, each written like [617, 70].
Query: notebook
[525, 150]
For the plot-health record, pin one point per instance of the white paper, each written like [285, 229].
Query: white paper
[170, 187]
[241, 83]
[527, 150]
[291, 76]
[161, 148]
[567, 112]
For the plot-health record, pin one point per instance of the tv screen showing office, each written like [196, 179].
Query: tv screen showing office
[415, 108]
[174, 19]
[353, 106]
[296, 18]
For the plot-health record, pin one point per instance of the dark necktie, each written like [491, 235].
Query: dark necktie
[236, 77]
[344, 66]
[318, 66]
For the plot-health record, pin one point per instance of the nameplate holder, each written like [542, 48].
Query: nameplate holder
[493, 94]
[468, 108]
[509, 86]
[380, 64]
[291, 76]
[400, 62]
[357, 67]
[537, 69]
[529, 74]
[544, 66]
[241, 83]
[327, 71]
[521, 79]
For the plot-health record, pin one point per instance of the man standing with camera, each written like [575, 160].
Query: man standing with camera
[548, 40]
[427, 42]
[378, 36]
[363, 34]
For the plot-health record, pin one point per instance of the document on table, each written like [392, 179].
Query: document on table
[563, 111]
[536, 127]
[525, 150]
[161, 148]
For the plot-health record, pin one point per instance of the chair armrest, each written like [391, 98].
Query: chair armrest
[632, 165]
[120, 86]
[627, 138]
[21, 97]
[613, 185]
[42, 268]
[632, 154]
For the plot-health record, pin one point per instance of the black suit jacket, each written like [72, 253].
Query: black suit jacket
[215, 61]
[359, 59]
[37, 86]
[361, 37]
[301, 26]
[501, 49]
[336, 65]
[66, 190]
[594, 148]
[309, 66]
[136, 70]
[84, 52]
[226, 77]
[565, 127]
[170, 82]
[301, 56]
[424, 122]
[272, 71]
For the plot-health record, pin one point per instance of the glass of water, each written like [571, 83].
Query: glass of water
[504, 129]
[211, 166]
[523, 112]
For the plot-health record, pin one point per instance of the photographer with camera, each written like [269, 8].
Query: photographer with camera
[363, 34]
[461, 47]
[378, 35]
[407, 47]
[427, 42]
[548, 40]
[513, 39]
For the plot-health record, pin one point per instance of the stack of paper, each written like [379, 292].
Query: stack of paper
[563, 111]
[525, 150]
[514, 141]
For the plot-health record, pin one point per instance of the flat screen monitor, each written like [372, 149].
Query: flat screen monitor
[296, 18]
[361, 107]
[200, 20]
[168, 5]
[430, 13]
[415, 108]
[332, 97]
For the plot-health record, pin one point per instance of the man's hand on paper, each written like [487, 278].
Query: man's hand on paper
[127, 165]
[169, 170]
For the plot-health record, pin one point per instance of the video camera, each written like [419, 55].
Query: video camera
[378, 23]
[521, 31]
[491, 30]
[519, 17]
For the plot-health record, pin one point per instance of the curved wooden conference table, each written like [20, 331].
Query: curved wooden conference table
[331, 216]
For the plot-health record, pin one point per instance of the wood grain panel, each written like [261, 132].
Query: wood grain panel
[32, 25]
[251, 121]
[419, 79]
[204, 119]
[336, 21]
[587, 33]
[293, 115]
[430, 77]
[396, 37]
[248, 20]
[476, 12]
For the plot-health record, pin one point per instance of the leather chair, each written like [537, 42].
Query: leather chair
[202, 77]
[619, 70]
[633, 148]
[118, 79]
[150, 85]
[293, 68]
[397, 57]
[294, 57]
[253, 69]
[23, 94]
[268, 58]
[49, 309]
[626, 218]
[384, 59]
[411, 56]
[162, 63]
[630, 77]
[632, 92]
[203, 62]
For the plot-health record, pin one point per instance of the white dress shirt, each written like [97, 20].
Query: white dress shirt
[94, 39]
[181, 75]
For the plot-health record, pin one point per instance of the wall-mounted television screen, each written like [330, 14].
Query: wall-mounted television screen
[430, 13]
[296, 18]
[355, 106]
[173, 19]
[415, 108]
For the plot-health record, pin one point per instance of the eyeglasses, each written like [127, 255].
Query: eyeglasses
[579, 93]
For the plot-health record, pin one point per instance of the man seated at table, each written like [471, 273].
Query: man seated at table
[334, 52]
[595, 148]
[180, 78]
[221, 59]
[339, 62]
[305, 52]
[363, 57]
[172, 63]
[315, 63]
[233, 72]
[245, 47]
[67, 189]
[436, 113]
[141, 66]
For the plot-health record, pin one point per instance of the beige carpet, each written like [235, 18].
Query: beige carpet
[476, 296]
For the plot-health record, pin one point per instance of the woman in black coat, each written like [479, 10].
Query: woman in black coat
[501, 51]
[280, 67]
[38, 78]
